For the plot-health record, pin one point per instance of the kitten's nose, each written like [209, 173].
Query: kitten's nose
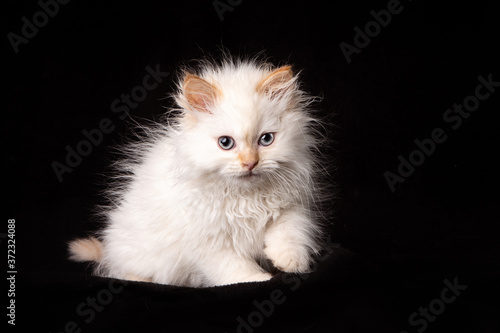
[250, 164]
[248, 158]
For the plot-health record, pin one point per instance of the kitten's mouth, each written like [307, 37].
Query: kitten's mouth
[249, 175]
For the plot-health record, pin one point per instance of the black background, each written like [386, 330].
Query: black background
[397, 248]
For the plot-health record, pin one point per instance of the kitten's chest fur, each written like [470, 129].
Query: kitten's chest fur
[229, 218]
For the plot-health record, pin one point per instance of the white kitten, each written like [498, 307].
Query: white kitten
[226, 185]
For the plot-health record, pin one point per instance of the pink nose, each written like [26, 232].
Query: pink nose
[250, 165]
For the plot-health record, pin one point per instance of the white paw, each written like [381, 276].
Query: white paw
[289, 259]
[132, 277]
[254, 277]
[257, 277]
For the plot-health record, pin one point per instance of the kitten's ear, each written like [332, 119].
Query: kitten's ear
[278, 83]
[199, 93]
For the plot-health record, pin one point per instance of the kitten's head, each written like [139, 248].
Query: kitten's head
[244, 124]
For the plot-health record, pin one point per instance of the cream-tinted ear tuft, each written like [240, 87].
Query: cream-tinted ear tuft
[278, 83]
[199, 93]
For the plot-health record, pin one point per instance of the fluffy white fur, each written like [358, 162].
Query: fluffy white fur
[193, 214]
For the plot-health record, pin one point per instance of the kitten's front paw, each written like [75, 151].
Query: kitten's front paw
[289, 259]
[257, 277]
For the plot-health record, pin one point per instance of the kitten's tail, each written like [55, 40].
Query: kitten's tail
[85, 249]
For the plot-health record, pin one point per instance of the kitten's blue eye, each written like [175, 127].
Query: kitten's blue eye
[266, 139]
[226, 142]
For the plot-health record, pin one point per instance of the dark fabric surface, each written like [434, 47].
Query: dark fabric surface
[396, 252]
